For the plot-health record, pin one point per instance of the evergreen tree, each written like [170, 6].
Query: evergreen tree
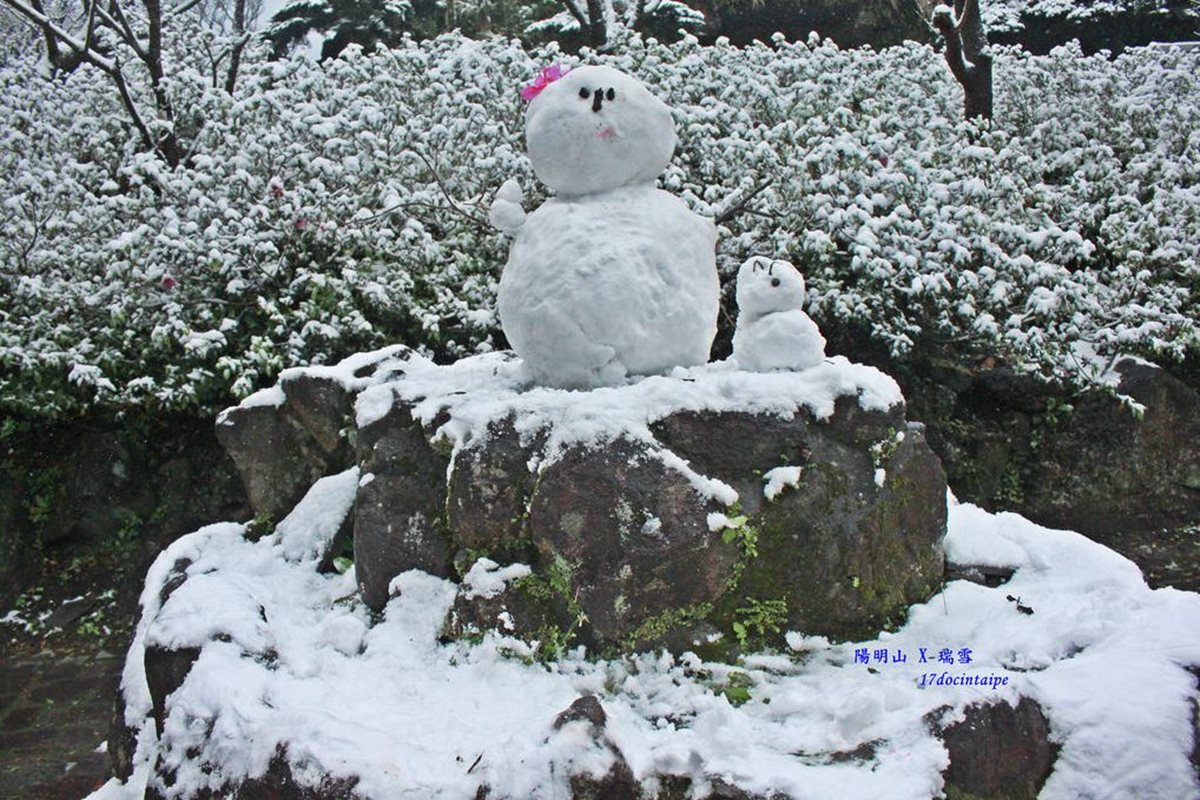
[369, 23]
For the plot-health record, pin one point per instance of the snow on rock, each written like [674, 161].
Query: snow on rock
[473, 392]
[779, 478]
[486, 578]
[1104, 656]
[353, 373]
[306, 533]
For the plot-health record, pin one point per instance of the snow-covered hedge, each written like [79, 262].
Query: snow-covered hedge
[330, 208]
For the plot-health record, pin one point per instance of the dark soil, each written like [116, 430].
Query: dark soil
[61, 653]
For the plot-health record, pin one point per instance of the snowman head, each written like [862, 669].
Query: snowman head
[597, 129]
[765, 285]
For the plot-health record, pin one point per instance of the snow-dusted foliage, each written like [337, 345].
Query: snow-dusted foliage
[1006, 15]
[330, 208]
[620, 19]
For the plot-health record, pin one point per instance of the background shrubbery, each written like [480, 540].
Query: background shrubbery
[323, 209]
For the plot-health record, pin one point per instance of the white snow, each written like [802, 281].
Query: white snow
[271, 396]
[613, 277]
[1105, 656]
[354, 373]
[778, 478]
[773, 332]
[506, 212]
[718, 521]
[487, 579]
[468, 395]
[306, 532]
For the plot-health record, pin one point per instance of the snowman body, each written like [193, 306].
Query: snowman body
[612, 277]
[773, 332]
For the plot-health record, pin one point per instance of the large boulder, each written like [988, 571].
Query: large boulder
[401, 506]
[710, 509]
[1121, 467]
[284, 438]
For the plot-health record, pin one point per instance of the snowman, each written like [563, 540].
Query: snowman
[611, 277]
[772, 330]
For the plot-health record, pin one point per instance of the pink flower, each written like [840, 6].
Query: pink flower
[301, 223]
[168, 282]
[275, 187]
[547, 76]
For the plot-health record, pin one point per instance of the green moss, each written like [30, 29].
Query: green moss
[1010, 492]
[655, 629]
[883, 450]
[259, 527]
[552, 587]
[465, 559]
[443, 446]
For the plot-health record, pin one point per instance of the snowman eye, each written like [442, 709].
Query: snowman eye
[774, 282]
[585, 93]
[610, 94]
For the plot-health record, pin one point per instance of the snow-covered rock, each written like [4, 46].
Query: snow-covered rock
[648, 513]
[296, 688]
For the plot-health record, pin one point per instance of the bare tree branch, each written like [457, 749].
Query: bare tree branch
[737, 203]
[91, 24]
[576, 12]
[943, 20]
[50, 28]
[183, 8]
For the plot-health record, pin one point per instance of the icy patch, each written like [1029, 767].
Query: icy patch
[286, 659]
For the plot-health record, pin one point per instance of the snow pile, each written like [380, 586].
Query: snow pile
[299, 663]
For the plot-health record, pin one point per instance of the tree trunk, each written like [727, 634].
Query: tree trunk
[968, 56]
[597, 28]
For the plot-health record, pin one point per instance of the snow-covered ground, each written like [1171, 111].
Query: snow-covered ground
[1105, 656]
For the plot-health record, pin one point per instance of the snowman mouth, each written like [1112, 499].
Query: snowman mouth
[607, 133]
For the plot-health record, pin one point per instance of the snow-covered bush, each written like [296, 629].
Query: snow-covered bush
[329, 208]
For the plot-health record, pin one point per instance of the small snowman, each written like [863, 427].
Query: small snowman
[612, 277]
[773, 332]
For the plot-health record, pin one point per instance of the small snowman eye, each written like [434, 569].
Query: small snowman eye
[775, 282]
[585, 93]
[610, 94]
